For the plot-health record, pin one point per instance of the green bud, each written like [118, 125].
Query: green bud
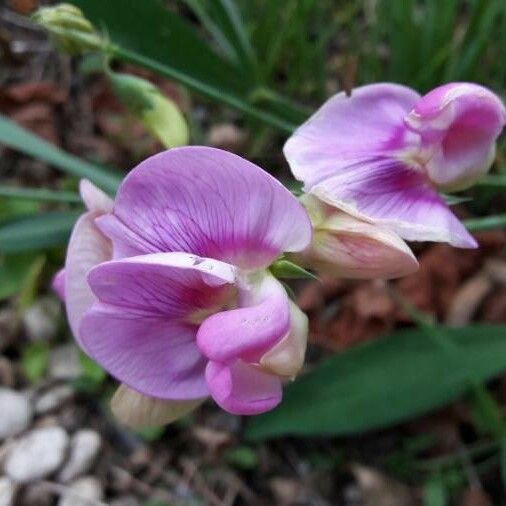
[72, 32]
[283, 268]
[159, 114]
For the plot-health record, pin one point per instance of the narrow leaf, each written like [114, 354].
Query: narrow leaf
[487, 223]
[37, 194]
[384, 382]
[36, 232]
[18, 138]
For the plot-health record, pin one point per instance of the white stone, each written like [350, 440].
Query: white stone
[15, 413]
[7, 491]
[84, 448]
[41, 319]
[37, 455]
[85, 491]
[53, 398]
[64, 362]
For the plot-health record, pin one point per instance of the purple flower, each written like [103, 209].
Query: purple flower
[168, 289]
[382, 154]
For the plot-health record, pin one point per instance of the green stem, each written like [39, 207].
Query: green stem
[202, 88]
[487, 223]
[39, 194]
[451, 460]
[493, 181]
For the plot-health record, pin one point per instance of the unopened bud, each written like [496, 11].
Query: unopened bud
[70, 29]
[160, 115]
[351, 248]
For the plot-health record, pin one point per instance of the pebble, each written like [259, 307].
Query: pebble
[7, 491]
[227, 136]
[16, 413]
[53, 398]
[37, 455]
[84, 448]
[41, 319]
[64, 363]
[85, 491]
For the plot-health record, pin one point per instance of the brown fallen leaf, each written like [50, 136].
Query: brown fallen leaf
[475, 497]
[381, 490]
[23, 7]
[212, 439]
[33, 105]
[468, 299]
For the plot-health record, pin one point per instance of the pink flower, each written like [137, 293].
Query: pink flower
[382, 154]
[168, 289]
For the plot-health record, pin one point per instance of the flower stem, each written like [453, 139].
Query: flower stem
[204, 89]
[487, 223]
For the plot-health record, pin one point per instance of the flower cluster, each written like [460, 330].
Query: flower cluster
[168, 287]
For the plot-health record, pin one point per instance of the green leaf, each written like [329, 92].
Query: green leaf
[91, 370]
[16, 207]
[223, 20]
[34, 360]
[493, 181]
[453, 200]
[487, 223]
[384, 382]
[150, 434]
[18, 138]
[36, 232]
[15, 272]
[434, 492]
[36, 194]
[29, 288]
[288, 270]
[502, 454]
[242, 457]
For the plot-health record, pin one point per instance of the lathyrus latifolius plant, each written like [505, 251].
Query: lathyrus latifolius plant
[171, 286]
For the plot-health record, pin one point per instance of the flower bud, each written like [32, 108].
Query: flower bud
[159, 114]
[72, 32]
[352, 248]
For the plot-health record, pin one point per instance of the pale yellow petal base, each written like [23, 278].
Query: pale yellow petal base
[137, 410]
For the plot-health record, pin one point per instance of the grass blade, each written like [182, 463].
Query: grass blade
[16, 137]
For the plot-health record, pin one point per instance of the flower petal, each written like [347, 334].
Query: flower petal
[243, 389]
[459, 124]
[143, 328]
[58, 284]
[87, 248]
[390, 193]
[94, 198]
[136, 410]
[249, 331]
[347, 132]
[152, 355]
[346, 246]
[173, 285]
[208, 202]
[287, 356]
